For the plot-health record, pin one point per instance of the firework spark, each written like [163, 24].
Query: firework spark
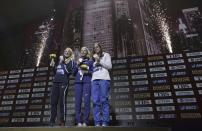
[41, 49]
[43, 33]
[161, 20]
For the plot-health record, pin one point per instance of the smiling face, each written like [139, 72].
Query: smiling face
[67, 52]
[84, 52]
[97, 48]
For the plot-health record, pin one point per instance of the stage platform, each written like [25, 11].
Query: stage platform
[82, 129]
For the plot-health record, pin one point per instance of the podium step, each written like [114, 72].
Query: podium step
[82, 129]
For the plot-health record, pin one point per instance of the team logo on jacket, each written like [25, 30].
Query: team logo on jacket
[60, 70]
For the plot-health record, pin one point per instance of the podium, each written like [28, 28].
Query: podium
[84, 129]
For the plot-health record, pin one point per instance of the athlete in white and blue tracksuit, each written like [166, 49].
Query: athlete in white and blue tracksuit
[101, 86]
[83, 87]
[60, 85]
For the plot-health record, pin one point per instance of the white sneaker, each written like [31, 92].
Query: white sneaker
[79, 125]
[84, 124]
[104, 125]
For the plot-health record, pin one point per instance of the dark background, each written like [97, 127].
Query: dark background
[15, 15]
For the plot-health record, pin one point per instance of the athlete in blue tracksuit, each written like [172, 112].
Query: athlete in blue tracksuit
[100, 86]
[60, 85]
[83, 87]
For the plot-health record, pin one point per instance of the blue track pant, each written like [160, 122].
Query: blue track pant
[82, 90]
[100, 94]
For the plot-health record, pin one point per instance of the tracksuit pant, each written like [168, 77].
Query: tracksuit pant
[82, 90]
[100, 94]
[58, 94]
